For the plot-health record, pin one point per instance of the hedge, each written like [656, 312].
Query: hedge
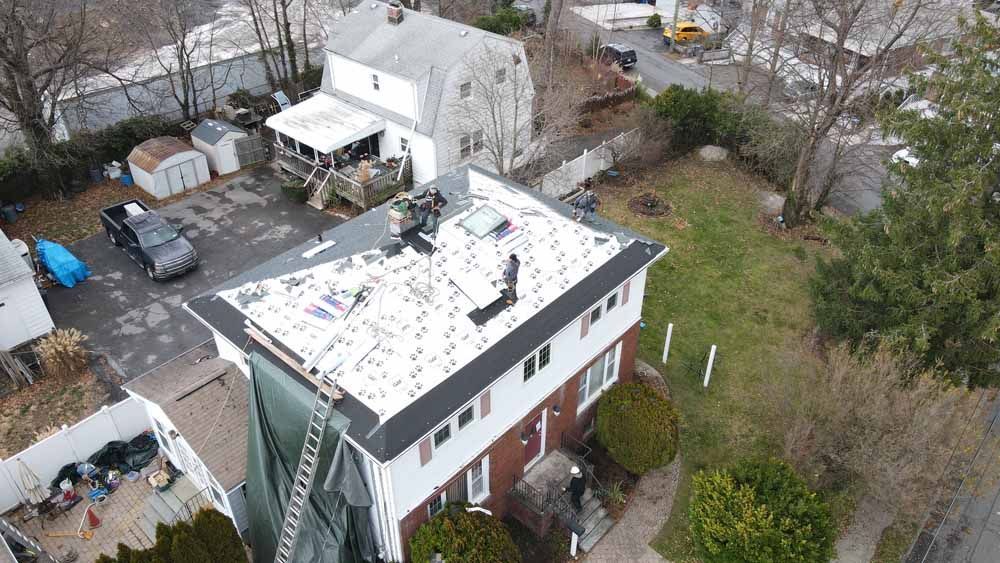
[637, 427]
[209, 538]
[759, 512]
[460, 535]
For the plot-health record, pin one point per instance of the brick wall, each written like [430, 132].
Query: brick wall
[507, 452]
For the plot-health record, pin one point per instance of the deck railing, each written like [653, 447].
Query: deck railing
[193, 505]
[363, 194]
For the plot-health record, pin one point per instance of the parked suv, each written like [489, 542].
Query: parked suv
[618, 54]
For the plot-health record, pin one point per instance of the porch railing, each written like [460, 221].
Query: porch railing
[193, 505]
[363, 194]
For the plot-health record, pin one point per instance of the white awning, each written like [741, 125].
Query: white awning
[325, 123]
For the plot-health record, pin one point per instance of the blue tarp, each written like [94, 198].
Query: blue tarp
[63, 266]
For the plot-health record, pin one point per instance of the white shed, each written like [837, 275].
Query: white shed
[164, 166]
[23, 315]
[217, 140]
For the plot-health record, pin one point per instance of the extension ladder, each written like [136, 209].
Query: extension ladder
[305, 475]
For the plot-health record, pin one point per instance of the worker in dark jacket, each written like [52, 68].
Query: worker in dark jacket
[577, 485]
[510, 269]
[585, 206]
[429, 204]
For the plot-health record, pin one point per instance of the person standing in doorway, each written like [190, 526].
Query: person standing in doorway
[429, 206]
[510, 269]
[577, 486]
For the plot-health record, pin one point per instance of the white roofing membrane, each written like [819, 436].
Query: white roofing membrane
[325, 123]
[412, 330]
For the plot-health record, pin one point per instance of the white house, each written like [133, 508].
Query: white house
[23, 315]
[450, 393]
[165, 166]
[403, 85]
[217, 141]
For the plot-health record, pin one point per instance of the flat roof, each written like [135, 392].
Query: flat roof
[325, 123]
[409, 354]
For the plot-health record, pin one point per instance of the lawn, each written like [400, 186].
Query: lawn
[726, 281]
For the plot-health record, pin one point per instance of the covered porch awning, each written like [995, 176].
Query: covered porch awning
[325, 123]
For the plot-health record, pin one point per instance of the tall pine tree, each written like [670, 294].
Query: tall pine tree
[923, 272]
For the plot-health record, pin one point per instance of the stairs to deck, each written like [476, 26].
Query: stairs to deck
[163, 507]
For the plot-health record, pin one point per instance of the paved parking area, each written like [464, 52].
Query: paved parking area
[139, 323]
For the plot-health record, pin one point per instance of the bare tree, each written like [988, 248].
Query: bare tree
[176, 22]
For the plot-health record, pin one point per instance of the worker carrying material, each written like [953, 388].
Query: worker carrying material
[585, 206]
[510, 269]
[430, 204]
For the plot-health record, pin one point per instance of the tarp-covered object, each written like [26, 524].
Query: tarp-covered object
[334, 527]
[63, 266]
[126, 456]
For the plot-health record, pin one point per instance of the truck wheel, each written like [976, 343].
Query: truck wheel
[149, 272]
[112, 237]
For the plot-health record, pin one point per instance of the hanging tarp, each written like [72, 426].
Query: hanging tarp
[63, 266]
[334, 527]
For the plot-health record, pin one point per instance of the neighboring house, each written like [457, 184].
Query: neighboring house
[451, 395]
[198, 409]
[23, 315]
[392, 82]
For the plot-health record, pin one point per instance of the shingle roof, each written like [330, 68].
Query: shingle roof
[208, 402]
[150, 153]
[211, 130]
[12, 266]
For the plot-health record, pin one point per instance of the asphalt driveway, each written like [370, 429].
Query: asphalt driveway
[139, 323]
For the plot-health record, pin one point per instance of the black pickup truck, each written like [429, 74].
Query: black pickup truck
[148, 240]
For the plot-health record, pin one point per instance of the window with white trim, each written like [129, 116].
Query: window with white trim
[404, 144]
[465, 146]
[375, 85]
[595, 316]
[530, 367]
[544, 356]
[466, 417]
[442, 435]
[612, 302]
[477, 141]
[601, 374]
[479, 480]
[536, 362]
[501, 75]
[217, 496]
[436, 505]
[465, 90]
[161, 433]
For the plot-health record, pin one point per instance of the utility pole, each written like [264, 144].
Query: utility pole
[673, 27]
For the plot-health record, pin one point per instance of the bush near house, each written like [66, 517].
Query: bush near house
[654, 21]
[295, 191]
[459, 535]
[637, 426]
[209, 538]
[504, 22]
[759, 512]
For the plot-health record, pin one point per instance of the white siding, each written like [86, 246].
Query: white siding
[144, 180]
[425, 166]
[23, 315]
[511, 400]
[394, 93]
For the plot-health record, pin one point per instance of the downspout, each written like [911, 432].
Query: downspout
[409, 142]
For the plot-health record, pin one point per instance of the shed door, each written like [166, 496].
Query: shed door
[175, 180]
[189, 174]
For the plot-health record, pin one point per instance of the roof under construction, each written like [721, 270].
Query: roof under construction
[149, 154]
[394, 321]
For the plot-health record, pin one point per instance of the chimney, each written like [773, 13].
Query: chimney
[394, 13]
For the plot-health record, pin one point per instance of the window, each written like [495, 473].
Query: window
[477, 141]
[612, 301]
[442, 435]
[465, 417]
[374, 82]
[479, 476]
[501, 75]
[465, 146]
[595, 316]
[600, 374]
[529, 368]
[435, 505]
[544, 356]
[465, 90]
[161, 433]
[217, 496]
[404, 144]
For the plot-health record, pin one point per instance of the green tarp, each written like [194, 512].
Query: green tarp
[334, 527]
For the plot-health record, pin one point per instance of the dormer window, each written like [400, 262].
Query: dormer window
[374, 82]
[465, 90]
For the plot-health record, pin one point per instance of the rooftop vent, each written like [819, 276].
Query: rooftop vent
[394, 13]
[463, 33]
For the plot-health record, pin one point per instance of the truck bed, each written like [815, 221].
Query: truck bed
[117, 213]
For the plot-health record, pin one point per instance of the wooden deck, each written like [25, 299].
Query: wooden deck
[328, 184]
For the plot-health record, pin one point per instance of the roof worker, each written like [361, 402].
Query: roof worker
[577, 486]
[429, 206]
[585, 206]
[510, 269]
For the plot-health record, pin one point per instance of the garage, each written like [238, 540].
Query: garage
[165, 166]
[23, 315]
[217, 141]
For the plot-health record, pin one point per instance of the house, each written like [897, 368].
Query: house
[449, 392]
[400, 85]
[166, 166]
[23, 314]
[216, 139]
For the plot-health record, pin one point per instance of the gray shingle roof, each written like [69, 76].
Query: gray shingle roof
[211, 130]
[12, 266]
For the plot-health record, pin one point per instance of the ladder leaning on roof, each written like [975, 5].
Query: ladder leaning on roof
[305, 475]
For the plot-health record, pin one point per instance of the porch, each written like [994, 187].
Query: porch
[365, 183]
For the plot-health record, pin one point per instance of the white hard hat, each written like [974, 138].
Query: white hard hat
[574, 471]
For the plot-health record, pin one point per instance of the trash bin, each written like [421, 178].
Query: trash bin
[126, 179]
[96, 175]
[9, 213]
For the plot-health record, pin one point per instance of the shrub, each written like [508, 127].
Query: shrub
[295, 191]
[654, 21]
[209, 538]
[62, 353]
[695, 116]
[459, 535]
[504, 22]
[637, 427]
[759, 511]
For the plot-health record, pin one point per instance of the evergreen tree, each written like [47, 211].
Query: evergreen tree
[923, 271]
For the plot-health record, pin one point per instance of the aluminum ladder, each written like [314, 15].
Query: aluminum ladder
[305, 475]
[12, 530]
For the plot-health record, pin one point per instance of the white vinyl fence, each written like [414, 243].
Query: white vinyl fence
[122, 421]
[563, 180]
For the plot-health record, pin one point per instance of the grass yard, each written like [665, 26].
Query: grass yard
[725, 281]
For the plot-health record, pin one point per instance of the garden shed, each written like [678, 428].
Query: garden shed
[164, 166]
[217, 141]
[23, 315]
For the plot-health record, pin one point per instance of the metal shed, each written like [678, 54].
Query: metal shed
[217, 141]
[164, 166]
[23, 315]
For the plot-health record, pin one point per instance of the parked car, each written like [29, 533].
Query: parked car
[800, 90]
[686, 31]
[527, 13]
[616, 53]
[159, 248]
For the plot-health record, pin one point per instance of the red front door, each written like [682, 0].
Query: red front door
[534, 445]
